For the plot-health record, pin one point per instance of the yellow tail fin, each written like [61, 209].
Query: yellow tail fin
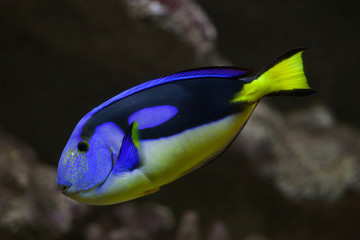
[284, 76]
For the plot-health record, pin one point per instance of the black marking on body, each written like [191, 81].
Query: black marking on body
[199, 101]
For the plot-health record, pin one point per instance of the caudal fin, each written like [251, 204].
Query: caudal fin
[283, 76]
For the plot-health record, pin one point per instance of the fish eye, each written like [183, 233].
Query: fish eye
[83, 146]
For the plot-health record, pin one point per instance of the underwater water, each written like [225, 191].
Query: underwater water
[293, 173]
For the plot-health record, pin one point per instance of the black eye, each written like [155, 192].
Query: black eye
[83, 146]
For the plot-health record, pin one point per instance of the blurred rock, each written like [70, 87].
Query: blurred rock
[131, 222]
[148, 221]
[189, 227]
[31, 207]
[307, 155]
[256, 237]
[186, 19]
[219, 231]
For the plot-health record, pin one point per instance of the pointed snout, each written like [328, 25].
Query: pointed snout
[64, 188]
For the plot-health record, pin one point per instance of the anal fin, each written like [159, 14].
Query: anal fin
[151, 191]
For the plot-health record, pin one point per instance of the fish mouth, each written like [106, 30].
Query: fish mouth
[64, 188]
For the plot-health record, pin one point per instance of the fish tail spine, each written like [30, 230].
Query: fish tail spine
[283, 76]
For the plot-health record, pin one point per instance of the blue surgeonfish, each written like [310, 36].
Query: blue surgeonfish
[158, 131]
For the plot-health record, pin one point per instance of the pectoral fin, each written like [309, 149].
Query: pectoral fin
[129, 158]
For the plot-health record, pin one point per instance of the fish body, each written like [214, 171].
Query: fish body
[156, 132]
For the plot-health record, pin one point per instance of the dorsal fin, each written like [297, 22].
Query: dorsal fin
[206, 72]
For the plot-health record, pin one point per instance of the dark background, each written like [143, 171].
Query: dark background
[60, 59]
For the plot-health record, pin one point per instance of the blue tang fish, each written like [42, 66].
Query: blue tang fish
[156, 132]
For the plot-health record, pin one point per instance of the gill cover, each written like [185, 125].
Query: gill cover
[81, 170]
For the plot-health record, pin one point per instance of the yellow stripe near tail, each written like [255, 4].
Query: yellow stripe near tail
[285, 74]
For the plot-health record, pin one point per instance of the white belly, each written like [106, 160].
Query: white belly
[169, 158]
